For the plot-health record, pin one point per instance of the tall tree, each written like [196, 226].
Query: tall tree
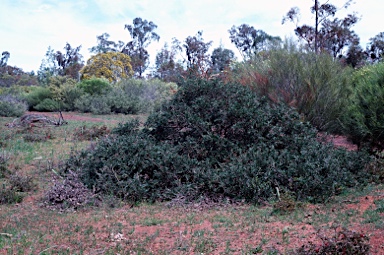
[221, 59]
[104, 45]
[250, 41]
[327, 34]
[70, 62]
[375, 47]
[196, 50]
[355, 56]
[168, 68]
[142, 33]
[60, 63]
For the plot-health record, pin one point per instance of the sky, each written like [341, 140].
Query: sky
[29, 27]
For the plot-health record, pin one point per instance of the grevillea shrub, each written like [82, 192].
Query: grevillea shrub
[217, 140]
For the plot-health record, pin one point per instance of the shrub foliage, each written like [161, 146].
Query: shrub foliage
[217, 140]
[12, 106]
[364, 118]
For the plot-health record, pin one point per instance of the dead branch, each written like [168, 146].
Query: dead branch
[36, 120]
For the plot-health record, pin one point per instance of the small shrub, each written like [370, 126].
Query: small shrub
[3, 165]
[33, 135]
[286, 204]
[343, 242]
[68, 194]
[12, 106]
[21, 183]
[9, 195]
[89, 133]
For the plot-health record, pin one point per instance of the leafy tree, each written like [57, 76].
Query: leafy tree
[249, 40]
[355, 56]
[112, 66]
[61, 63]
[168, 68]
[336, 34]
[196, 50]
[375, 47]
[221, 58]
[142, 33]
[326, 34]
[104, 45]
[4, 58]
[70, 62]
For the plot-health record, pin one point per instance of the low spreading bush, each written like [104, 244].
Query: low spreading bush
[90, 133]
[68, 194]
[9, 195]
[343, 242]
[218, 140]
[12, 106]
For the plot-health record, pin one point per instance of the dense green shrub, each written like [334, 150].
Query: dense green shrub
[218, 140]
[314, 84]
[97, 104]
[65, 91]
[37, 95]
[47, 105]
[94, 86]
[12, 106]
[364, 117]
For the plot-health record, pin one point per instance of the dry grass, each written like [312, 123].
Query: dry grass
[116, 228]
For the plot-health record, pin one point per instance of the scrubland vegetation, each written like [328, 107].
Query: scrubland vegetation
[234, 146]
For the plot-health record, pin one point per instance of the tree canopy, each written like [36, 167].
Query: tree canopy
[327, 33]
[249, 40]
[142, 33]
[112, 66]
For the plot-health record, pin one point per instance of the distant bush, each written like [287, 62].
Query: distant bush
[47, 105]
[94, 86]
[37, 95]
[90, 133]
[218, 140]
[12, 106]
[128, 96]
[97, 104]
[364, 117]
